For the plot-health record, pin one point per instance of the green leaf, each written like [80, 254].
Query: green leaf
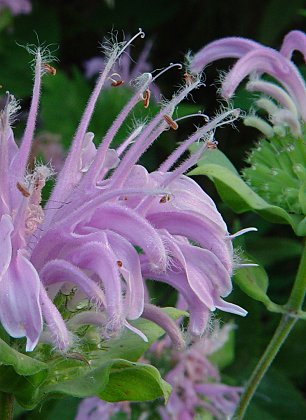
[254, 282]
[22, 364]
[109, 373]
[115, 380]
[240, 197]
[139, 383]
[20, 375]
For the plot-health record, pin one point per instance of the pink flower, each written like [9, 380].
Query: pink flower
[196, 381]
[103, 207]
[95, 409]
[288, 108]
[16, 7]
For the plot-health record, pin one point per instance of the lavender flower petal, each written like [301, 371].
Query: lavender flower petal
[231, 47]
[20, 310]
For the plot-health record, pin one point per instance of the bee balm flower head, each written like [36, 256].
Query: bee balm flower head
[108, 226]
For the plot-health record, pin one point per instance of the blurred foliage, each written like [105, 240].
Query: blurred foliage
[74, 30]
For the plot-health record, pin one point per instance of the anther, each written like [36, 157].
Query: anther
[212, 144]
[119, 263]
[115, 82]
[172, 124]
[189, 79]
[146, 98]
[23, 190]
[165, 199]
[50, 69]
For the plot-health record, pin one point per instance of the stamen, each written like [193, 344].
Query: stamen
[119, 263]
[171, 66]
[23, 190]
[136, 331]
[242, 232]
[139, 33]
[172, 124]
[199, 114]
[247, 265]
[50, 69]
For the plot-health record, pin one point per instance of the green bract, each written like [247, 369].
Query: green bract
[277, 172]
[235, 192]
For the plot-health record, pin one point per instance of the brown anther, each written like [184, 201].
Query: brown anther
[164, 199]
[146, 98]
[212, 145]
[172, 124]
[125, 198]
[116, 83]
[119, 263]
[189, 79]
[23, 189]
[50, 69]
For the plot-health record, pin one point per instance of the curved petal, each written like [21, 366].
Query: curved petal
[60, 271]
[55, 322]
[6, 228]
[20, 310]
[99, 257]
[294, 41]
[229, 307]
[205, 270]
[199, 313]
[204, 232]
[133, 227]
[129, 266]
[185, 196]
[155, 314]
[231, 47]
[267, 60]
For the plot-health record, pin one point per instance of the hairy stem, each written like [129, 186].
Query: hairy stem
[285, 326]
[6, 406]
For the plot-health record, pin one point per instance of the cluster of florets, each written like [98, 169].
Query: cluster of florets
[108, 225]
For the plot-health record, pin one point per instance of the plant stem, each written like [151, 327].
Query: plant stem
[297, 295]
[6, 406]
[285, 326]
